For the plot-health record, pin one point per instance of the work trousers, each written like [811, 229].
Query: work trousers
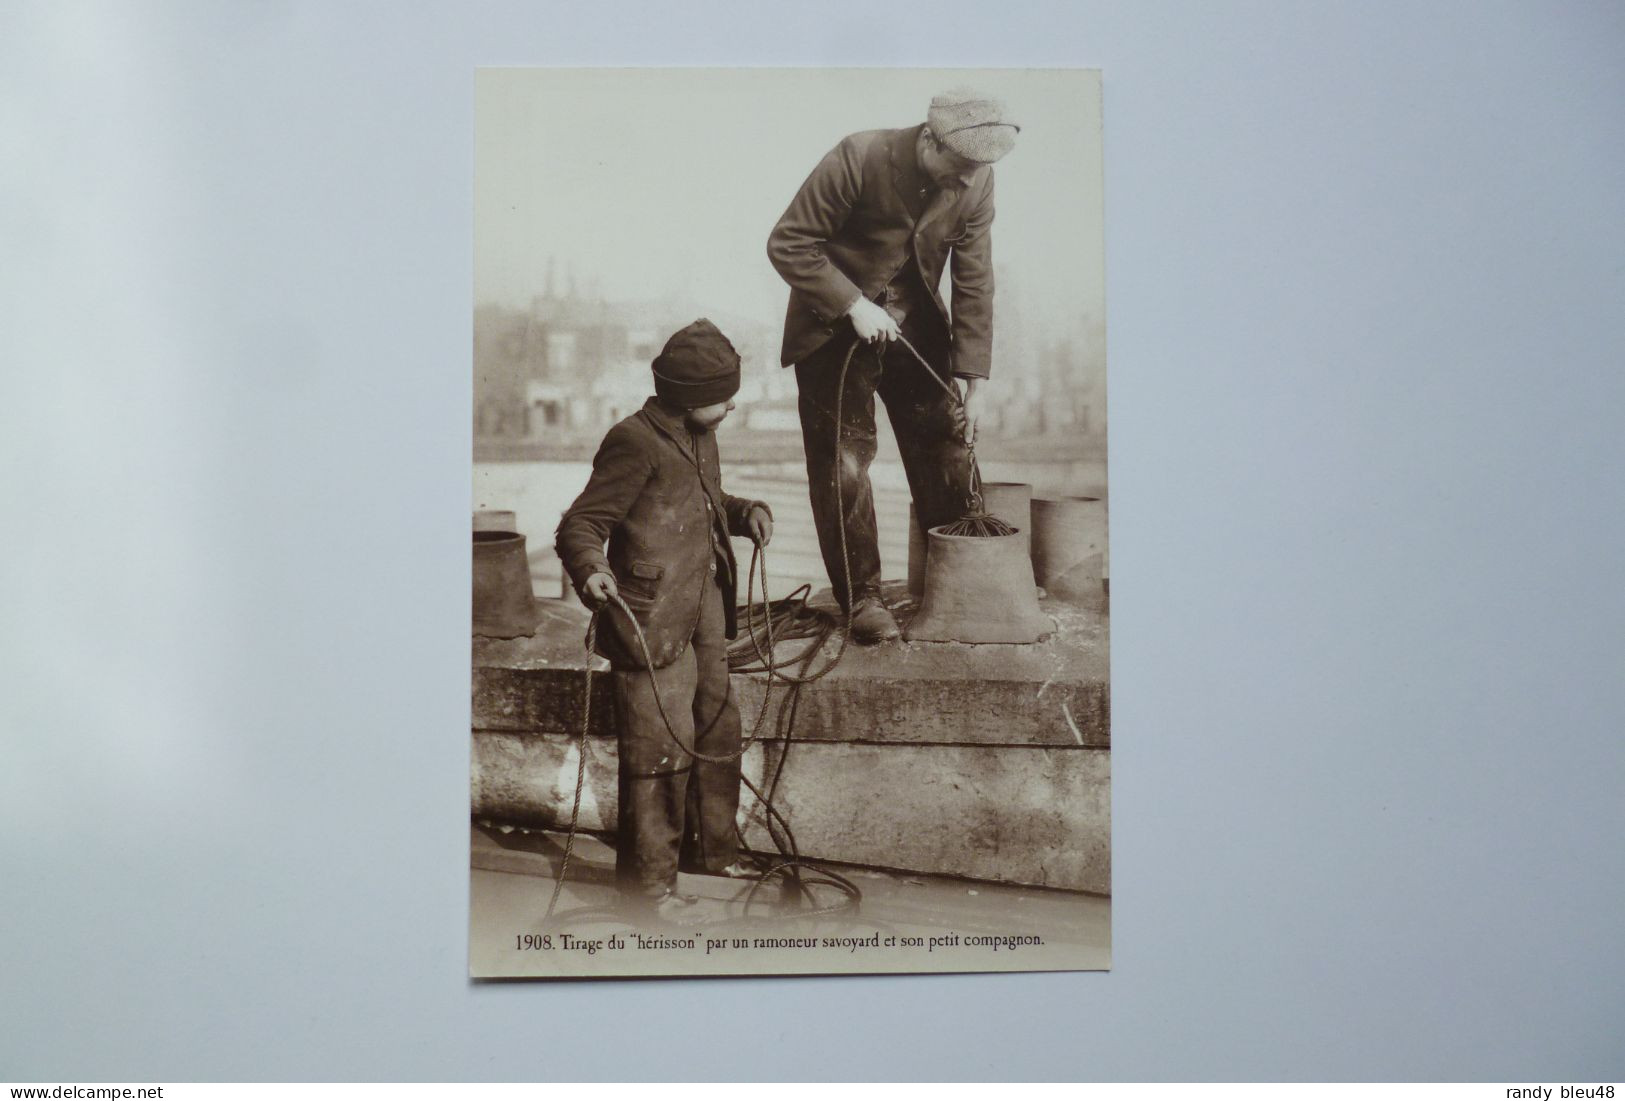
[930, 430]
[674, 807]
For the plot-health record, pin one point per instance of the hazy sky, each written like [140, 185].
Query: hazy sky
[666, 181]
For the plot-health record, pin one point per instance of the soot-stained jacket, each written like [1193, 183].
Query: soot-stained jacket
[655, 495]
[868, 209]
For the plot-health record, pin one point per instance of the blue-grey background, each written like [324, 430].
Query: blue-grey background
[1366, 299]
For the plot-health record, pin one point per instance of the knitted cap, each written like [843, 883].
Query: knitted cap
[698, 366]
[973, 125]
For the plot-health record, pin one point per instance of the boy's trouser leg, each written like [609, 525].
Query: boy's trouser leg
[659, 784]
[710, 842]
[653, 775]
[818, 380]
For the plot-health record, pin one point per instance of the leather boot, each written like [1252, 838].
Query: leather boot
[872, 622]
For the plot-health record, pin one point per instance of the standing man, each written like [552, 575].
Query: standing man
[655, 495]
[863, 246]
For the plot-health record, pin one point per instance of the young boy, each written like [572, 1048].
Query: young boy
[656, 496]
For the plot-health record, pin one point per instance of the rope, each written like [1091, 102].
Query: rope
[581, 770]
[976, 521]
[792, 612]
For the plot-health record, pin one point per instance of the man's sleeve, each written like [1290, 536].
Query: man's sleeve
[972, 268]
[816, 214]
[619, 472]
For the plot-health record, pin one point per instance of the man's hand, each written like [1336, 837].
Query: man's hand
[600, 587]
[761, 526]
[872, 322]
[973, 407]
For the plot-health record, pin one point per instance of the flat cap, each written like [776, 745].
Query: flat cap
[973, 125]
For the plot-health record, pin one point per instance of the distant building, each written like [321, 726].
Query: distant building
[557, 374]
[572, 366]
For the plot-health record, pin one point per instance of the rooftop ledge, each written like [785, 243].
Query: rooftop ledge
[986, 761]
[1052, 692]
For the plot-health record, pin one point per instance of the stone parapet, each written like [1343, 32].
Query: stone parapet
[990, 762]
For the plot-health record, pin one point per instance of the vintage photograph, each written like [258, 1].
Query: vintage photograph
[790, 569]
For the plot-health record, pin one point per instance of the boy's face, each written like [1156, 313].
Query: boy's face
[707, 417]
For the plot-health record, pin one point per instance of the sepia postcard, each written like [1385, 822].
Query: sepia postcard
[790, 599]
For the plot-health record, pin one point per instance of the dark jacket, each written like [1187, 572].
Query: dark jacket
[859, 218]
[656, 495]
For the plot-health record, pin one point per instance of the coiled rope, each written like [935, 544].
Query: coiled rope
[788, 618]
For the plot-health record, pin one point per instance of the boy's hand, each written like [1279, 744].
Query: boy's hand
[761, 526]
[600, 587]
